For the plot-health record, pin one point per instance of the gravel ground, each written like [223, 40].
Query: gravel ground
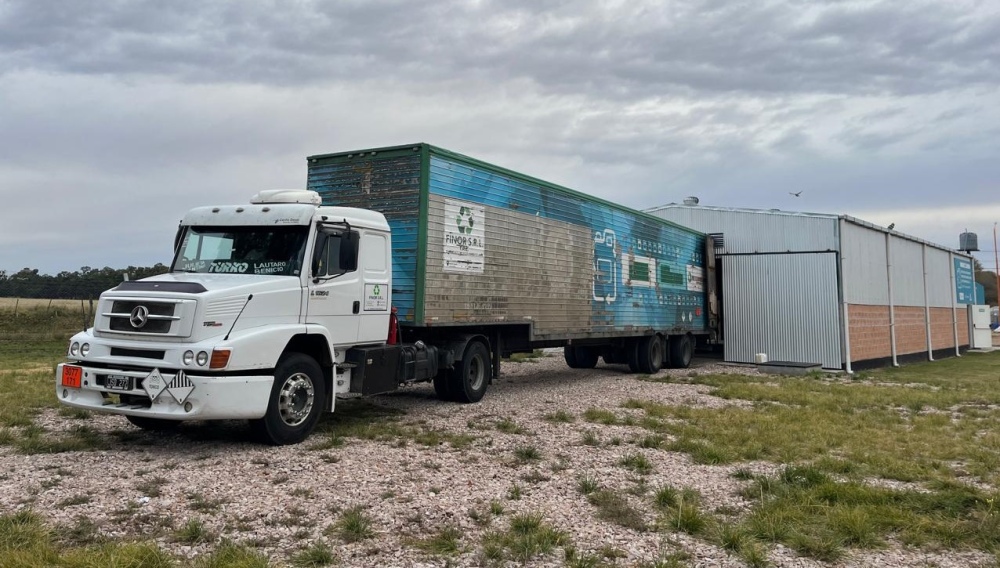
[282, 499]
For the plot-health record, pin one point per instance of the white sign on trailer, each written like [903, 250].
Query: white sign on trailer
[464, 237]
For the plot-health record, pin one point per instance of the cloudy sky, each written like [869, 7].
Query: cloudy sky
[116, 116]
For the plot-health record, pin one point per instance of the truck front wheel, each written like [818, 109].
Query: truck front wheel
[296, 401]
[471, 376]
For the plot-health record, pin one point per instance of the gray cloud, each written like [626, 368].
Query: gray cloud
[618, 51]
[116, 107]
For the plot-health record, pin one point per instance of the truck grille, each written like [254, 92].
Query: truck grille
[141, 317]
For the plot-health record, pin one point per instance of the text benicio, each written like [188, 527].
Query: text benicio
[462, 241]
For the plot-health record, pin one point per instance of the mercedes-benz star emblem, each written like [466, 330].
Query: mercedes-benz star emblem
[139, 317]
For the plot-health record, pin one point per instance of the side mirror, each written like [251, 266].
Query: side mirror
[349, 251]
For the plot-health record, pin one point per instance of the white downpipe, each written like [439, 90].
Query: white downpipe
[954, 319]
[892, 308]
[927, 308]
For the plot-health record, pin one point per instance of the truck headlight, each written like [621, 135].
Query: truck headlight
[85, 349]
[188, 357]
[74, 349]
[202, 358]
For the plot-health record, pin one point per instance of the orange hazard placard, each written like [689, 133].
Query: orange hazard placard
[71, 376]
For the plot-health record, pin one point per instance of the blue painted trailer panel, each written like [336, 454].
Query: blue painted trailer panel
[474, 244]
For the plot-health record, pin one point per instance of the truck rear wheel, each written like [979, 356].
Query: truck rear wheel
[580, 357]
[649, 354]
[471, 376]
[296, 401]
[681, 352]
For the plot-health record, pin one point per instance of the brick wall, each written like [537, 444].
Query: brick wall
[911, 330]
[869, 332]
[870, 337]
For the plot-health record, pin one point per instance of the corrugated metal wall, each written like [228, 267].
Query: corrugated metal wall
[907, 259]
[865, 274]
[785, 305]
[940, 290]
[758, 231]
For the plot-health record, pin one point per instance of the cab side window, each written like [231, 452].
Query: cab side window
[336, 253]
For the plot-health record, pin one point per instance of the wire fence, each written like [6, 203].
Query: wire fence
[39, 328]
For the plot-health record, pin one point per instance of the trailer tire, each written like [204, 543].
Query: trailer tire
[681, 352]
[580, 357]
[569, 354]
[471, 376]
[649, 354]
[153, 424]
[296, 401]
[632, 352]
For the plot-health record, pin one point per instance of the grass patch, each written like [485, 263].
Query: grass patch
[527, 537]
[636, 462]
[314, 556]
[193, 532]
[615, 508]
[531, 357]
[352, 526]
[559, 417]
[508, 426]
[443, 543]
[525, 454]
[600, 416]
[818, 516]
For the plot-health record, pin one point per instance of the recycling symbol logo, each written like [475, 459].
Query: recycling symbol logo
[376, 291]
[464, 221]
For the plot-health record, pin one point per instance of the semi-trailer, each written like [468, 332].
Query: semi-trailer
[396, 265]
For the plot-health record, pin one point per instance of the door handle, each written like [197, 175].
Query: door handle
[357, 306]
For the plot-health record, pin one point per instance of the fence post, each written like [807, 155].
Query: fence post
[16, 302]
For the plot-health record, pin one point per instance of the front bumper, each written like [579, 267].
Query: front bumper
[190, 397]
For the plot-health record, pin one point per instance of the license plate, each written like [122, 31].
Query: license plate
[118, 382]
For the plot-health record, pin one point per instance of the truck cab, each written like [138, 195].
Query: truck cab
[255, 320]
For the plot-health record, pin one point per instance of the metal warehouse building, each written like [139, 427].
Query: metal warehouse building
[831, 289]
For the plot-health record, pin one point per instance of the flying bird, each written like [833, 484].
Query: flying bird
[795, 193]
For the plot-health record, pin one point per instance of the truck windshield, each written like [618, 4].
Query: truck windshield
[241, 250]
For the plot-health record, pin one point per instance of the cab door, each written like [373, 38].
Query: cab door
[376, 273]
[335, 291]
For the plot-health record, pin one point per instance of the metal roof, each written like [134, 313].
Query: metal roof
[781, 212]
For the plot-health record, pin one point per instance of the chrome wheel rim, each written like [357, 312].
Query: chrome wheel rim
[296, 399]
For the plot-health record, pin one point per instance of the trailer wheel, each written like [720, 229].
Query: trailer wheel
[632, 353]
[471, 376]
[580, 357]
[296, 401]
[153, 424]
[681, 351]
[649, 354]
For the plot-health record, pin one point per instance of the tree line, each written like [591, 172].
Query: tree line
[90, 282]
[80, 284]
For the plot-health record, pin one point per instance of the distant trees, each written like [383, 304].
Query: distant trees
[84, 283]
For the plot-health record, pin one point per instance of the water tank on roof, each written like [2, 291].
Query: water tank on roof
[968, 242]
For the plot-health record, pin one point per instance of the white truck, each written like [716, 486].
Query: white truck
[273, 310]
